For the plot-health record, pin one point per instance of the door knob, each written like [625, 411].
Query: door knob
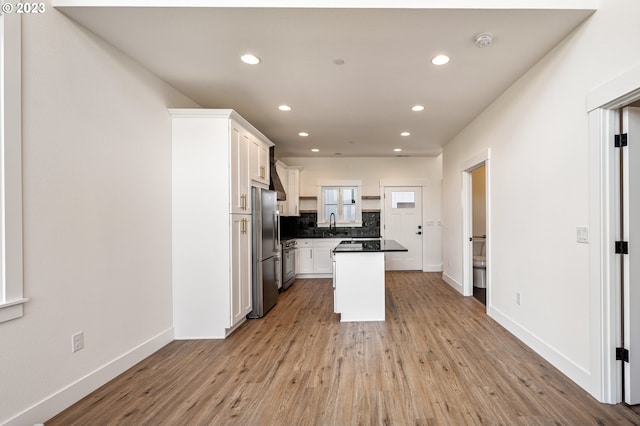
[419, 233]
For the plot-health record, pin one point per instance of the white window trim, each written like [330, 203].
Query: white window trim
[323, 222]
[11, 273]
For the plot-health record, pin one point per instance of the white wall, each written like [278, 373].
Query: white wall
[371, 170]
[97, 219]
[537, 133]
[390, 171]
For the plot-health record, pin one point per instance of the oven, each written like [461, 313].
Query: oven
[288, 263]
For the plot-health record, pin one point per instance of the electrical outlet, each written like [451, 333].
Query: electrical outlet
[518, 298]
[77, 341]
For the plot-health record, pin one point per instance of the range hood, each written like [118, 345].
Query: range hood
[275, 183]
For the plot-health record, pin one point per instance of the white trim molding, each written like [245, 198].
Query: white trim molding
[11, 272]
[602, 103]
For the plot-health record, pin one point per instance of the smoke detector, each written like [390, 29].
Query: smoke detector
[483, 40]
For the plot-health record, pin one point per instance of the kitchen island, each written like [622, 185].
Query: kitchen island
[358, 279]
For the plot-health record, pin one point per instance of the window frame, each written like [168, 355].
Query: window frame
[323, 222]
[11, 258]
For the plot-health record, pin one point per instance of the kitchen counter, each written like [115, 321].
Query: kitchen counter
[358, 279]
[362, 246]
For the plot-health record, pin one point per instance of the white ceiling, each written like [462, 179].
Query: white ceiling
[356, 109]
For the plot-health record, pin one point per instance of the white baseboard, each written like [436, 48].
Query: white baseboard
[452, 282]
[432, 268]
[308, 276]
[575, 372]
[72, 393]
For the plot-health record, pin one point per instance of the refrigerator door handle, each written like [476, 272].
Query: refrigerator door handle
[276, 231]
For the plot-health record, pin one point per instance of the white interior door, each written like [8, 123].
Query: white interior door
[403, 223]
[631, 234]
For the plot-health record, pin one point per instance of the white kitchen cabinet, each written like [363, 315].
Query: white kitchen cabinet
[241, 302]
[283, 173]
[293, 191]
[323, 255]
[240, 180]
[290, 178]
[315, 256]
[304, 257]
[259, 160]
[211, 243]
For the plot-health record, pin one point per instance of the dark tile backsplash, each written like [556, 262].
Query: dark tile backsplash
[305, 226]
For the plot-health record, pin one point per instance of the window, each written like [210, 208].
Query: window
[343, 201]
[11, 295]
[403, 200]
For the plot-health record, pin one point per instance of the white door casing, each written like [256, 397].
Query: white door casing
[403, 223]
[478, 160]
[631, 269]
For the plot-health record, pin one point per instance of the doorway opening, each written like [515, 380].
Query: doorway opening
[479, 232]
[476, 253]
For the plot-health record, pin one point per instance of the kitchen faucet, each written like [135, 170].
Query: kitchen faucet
[332, 215]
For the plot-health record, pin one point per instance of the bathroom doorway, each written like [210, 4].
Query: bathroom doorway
[479, 232]
[476, 222]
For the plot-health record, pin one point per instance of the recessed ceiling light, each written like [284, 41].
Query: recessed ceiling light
[315, 150]
[405, 134]
[397, 150]
[284, 108]
[440, 60]
[303, 134]
[250, 59]
[338, 61]
[417, 108]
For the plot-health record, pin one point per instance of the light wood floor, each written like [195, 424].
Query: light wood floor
[437, 360]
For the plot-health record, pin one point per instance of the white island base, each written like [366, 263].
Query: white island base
[358, 282]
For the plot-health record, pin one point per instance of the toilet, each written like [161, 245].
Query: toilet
[479, 262]
[479, 271]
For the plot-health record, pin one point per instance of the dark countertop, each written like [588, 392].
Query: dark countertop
[368, 246]
[330, 237]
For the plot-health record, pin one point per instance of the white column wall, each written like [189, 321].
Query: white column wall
[97, 219]
[538, 135]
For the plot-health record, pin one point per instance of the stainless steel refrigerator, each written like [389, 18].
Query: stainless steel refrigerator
[266, 273]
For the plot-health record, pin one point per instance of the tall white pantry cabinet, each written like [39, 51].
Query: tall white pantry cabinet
[211, 223]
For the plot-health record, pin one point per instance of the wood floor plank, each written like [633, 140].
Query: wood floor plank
[437, 360]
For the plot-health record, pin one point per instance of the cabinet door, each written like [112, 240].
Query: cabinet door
[293, 192]
[283, 206]
[240, 182]
[264, 163]
[259, 161]
[323, 255]
[323, 260]
[241, 303]
[304, 257]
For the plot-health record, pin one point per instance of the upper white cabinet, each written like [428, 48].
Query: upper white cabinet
[293, 191]
[290, 178]
[283, 173]
[259, 160]
[211, 221]
[240, 182]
